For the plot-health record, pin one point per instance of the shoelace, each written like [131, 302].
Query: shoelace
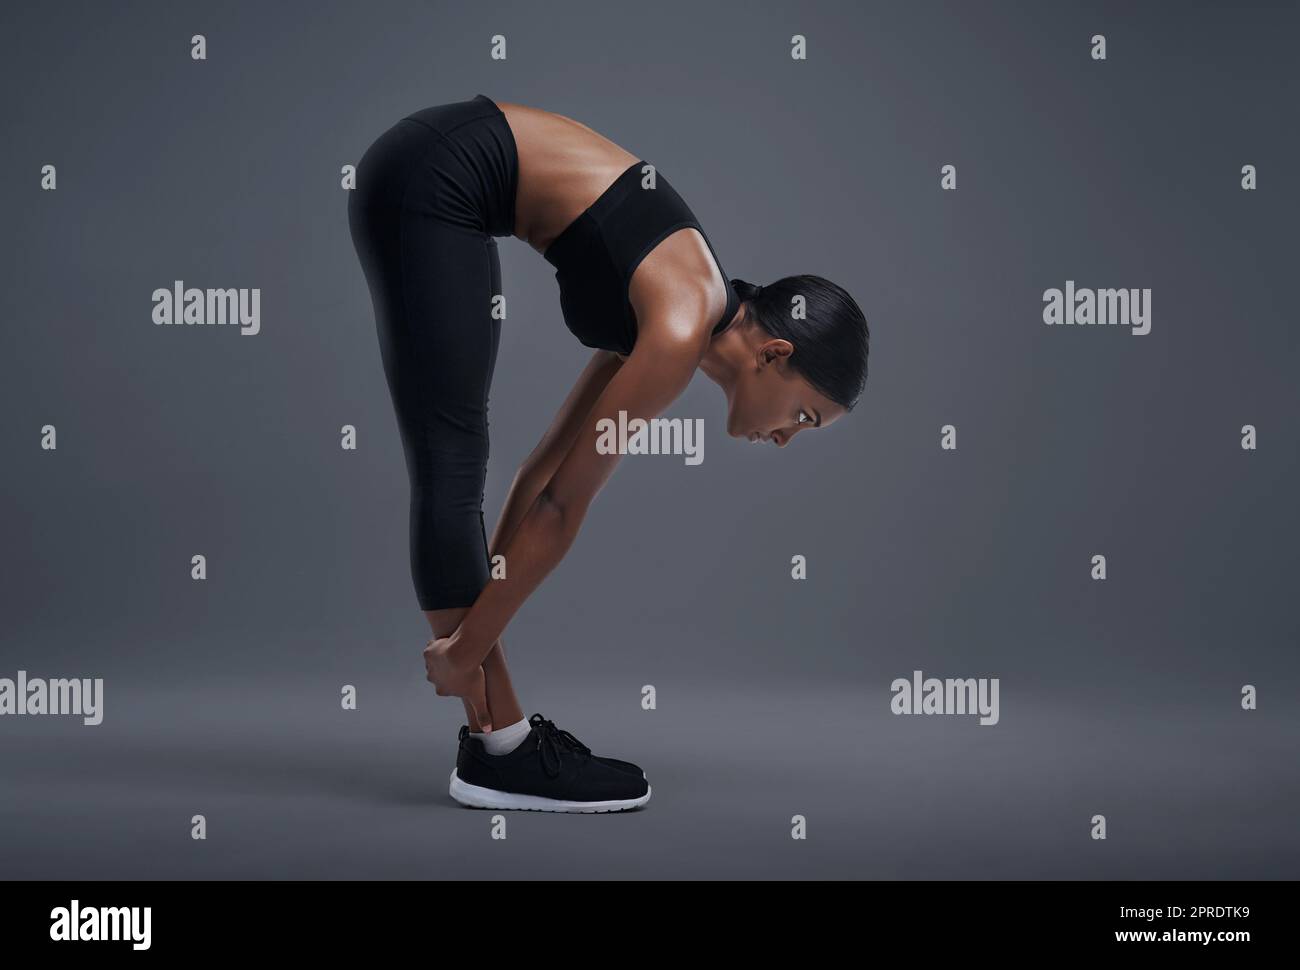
[552, 743]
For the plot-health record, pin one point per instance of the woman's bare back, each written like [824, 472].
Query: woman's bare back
[564, 166]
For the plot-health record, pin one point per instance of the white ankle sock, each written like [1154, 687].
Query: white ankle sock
[504, 740]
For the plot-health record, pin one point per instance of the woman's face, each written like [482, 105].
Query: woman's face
[770, 402]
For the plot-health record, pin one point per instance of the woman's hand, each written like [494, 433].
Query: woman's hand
[451, 679]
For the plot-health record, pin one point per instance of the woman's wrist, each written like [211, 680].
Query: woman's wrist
[465, 651]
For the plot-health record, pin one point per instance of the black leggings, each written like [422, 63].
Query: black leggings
[431, 193]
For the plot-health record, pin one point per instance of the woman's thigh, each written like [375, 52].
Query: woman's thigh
[421, 220]
[441, 362]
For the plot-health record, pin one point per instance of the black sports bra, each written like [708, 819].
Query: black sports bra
[596, 254]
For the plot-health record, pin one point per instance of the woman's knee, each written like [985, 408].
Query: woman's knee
[444, 622]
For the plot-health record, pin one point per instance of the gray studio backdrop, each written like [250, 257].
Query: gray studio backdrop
[1118, 697]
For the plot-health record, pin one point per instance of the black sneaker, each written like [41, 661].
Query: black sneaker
[577, 745]
[547, 772]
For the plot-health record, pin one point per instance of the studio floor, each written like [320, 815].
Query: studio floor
[292, 787]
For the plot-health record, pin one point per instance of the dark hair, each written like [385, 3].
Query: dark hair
[830, 340]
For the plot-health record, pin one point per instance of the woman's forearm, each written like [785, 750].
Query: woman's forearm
[524, 490]
[525, 486]
[659, 370]
[535, 547]
[536, 471]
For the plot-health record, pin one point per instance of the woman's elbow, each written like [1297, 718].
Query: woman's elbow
[562, 515]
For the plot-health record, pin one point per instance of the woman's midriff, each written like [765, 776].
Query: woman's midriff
[564, 167]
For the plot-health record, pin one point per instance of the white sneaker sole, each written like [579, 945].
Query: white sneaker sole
[478, 797]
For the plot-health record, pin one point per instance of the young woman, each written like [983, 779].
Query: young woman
[641, 285]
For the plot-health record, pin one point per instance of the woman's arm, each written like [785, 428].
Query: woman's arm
[658, 370]
[537, 469]
[541, 464]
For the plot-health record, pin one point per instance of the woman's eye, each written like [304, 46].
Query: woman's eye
[802, 416]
